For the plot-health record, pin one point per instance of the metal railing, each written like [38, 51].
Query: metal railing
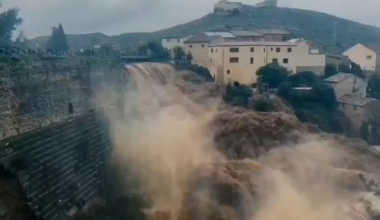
[12, 51]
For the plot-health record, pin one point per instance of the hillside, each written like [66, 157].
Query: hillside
[312, 25]
[75, 41]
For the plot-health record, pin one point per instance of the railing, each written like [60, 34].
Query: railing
[11, 51]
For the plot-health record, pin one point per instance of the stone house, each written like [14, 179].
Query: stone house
[347, 83]
[359, 109]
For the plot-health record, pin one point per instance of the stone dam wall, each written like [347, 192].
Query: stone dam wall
[54, 145]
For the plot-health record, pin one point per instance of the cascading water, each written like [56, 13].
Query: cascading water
[170, 149]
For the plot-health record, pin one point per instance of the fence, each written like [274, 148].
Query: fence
[11, 51]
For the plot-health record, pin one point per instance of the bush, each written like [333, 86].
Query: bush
[237, 95]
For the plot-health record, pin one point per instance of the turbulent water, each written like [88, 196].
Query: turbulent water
[166, 141]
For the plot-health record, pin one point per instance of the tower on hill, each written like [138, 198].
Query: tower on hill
[267, 3]
[225, 5]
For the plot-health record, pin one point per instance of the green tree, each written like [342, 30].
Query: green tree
[306, 78]
[373, 89]
[325, 95]
[106, 49]
[179, 53]
[189, 57]
[357, 70]
[330, 70]
[9, 21]
[284, 89]
[21, 40]
[237, 95]
[201, 71]
[273, 74]
[58, 40]
[158, 53]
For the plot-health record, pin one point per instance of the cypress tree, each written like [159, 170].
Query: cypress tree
[58, 39]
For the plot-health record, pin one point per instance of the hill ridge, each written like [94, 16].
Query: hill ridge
[315, 26]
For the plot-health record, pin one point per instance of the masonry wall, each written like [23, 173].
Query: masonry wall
[53, 139]
[38, 92]
[61, 168]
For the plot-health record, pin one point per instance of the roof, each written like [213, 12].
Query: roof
[207, 37]
[335, 56]
[374, 47]
[246, 33]
[221, 34]
[295, 40]
[200, 38]
[273, 31]
[254, 43]
[175, 37]
[355, 100]
[302, 88]
[338, 77]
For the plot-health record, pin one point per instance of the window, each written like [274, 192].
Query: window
[190, 46]
[178, 40]
[265, 61]
[202, 45]
[275, 61]
[278, 50]
[289, 50]
[355, 107]
[369, 57]
[285, 61]
[251, 60]
[271, 49]
[264, 49]
[212, 50]
[234, 60]
[167, 40]
[228, 71]
[252, 49]
[234, 50]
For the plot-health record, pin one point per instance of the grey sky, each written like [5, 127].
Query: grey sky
[120, 16]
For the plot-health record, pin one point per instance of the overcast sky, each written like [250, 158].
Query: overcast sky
[121, 16]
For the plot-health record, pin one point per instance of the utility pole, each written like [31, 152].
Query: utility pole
[263, 87]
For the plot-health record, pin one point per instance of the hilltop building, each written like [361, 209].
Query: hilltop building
[236, 61]
[267, 3]
[365, 55]
[224, 5]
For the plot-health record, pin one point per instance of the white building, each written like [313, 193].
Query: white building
[198, 45]
[224, 5]
[267, 3]
[170, 42]
[236, 61]
[367, 56]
